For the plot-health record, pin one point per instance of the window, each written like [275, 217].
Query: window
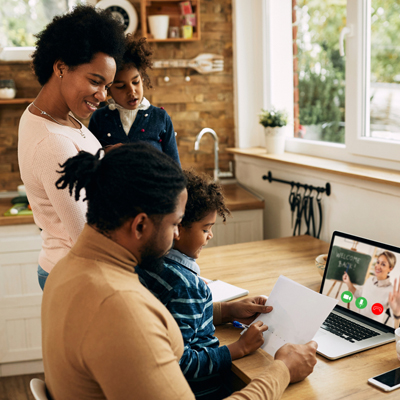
[22, 19]
[347, 104]
[320, 70]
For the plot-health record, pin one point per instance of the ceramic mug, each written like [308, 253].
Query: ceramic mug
[159, 26]
[320, 263]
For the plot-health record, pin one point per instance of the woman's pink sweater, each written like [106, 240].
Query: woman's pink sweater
[42, 146]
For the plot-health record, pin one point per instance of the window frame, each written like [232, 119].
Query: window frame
[358, 70]
[357, 147]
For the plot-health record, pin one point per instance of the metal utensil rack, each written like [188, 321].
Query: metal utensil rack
[319, 189]
[302, 205]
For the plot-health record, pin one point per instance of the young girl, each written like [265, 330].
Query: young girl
[378, 288]
[129, 117]
[189, 299]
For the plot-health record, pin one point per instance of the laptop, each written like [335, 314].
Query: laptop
[356, 275]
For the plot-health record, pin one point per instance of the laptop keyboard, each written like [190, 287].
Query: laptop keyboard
[346, 329]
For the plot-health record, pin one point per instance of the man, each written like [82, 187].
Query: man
[105, 336]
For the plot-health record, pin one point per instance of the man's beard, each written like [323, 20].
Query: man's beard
[151, 260]
[152, 263]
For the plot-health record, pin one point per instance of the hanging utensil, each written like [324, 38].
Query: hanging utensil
[319, 197]
[311, 213]
[292, 200]
[203, 63]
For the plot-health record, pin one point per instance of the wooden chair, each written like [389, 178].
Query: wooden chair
[38, 389]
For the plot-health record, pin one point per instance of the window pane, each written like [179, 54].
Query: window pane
[321, 70]
[20, 20]
[385, 70]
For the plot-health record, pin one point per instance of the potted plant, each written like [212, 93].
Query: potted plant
[273, 121]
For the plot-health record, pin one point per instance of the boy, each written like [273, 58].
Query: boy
[189, 299]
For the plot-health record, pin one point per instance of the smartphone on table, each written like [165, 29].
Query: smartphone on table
[387, 381]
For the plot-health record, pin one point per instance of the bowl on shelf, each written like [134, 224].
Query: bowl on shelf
[7, 89]
[320, 263]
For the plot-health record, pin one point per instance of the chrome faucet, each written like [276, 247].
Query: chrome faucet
[216, 148]
[217, 173]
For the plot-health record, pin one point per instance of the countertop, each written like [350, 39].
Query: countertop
[237, 199]
[5, 204]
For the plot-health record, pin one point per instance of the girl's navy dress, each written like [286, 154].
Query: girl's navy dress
[152, 125]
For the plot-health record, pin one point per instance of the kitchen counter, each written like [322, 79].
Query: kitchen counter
[5, 204]
[240, 199]
[237, 199]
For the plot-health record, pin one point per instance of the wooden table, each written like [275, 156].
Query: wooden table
[256, 266]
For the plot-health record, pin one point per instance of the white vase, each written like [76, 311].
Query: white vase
[275, 139]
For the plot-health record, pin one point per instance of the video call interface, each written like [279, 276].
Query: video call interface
[361, 276]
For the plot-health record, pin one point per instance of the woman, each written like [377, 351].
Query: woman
[378, 289]
[75, 62]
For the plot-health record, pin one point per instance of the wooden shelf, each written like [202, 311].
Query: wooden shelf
[171, 8]
[17, 101]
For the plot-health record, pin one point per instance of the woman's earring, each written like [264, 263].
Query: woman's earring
[61, 76]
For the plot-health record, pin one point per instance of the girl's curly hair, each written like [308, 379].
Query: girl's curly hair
[204, 196]
[138, 54]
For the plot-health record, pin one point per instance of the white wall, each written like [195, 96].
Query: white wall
[355, 206]
[263, 65]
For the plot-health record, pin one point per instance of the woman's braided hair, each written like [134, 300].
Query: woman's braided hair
[130, 179]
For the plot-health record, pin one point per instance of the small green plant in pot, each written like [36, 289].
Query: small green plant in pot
[273, 121]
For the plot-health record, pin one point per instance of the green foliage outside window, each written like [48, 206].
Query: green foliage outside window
[322, 69]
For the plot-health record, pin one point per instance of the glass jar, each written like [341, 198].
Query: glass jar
[7, 89]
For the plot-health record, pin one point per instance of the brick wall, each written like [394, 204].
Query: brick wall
[27, 87]
[204, 101]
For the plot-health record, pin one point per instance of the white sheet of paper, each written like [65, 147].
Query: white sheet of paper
[297, 315]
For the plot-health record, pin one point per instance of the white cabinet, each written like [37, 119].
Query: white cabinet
[242, 226]
[20, 300]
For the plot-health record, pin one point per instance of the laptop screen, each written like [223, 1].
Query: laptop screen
[360, 274]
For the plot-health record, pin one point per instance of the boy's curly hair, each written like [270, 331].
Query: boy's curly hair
[204, 196]
[138, 54]
[75, 38]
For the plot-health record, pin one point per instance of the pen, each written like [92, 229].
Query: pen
[238, 324]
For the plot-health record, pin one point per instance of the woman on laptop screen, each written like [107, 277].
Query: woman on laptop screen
[378, 288]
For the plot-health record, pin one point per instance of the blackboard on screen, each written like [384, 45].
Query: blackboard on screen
[356, 264]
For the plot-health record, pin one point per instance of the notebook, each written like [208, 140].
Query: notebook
[361, 320]
[222, 291]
